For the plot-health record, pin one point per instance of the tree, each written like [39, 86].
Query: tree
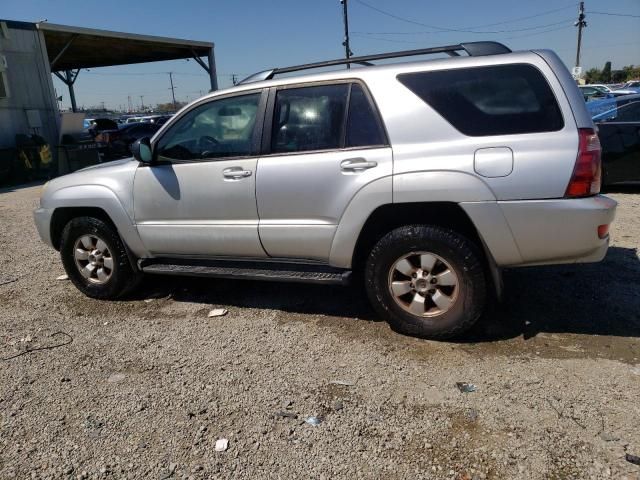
[593, 75]
[168, 107]
[605, 75]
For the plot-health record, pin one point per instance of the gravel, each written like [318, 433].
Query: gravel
[147, 388]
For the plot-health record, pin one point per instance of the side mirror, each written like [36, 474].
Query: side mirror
[141, 150]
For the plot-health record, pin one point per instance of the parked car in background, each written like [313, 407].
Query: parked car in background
[618, 123]
[610, 90]
[101, 124]
[589, 92]
[633, 84]
[118, 141]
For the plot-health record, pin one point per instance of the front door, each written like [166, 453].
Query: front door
[198, 196]
[322, 144]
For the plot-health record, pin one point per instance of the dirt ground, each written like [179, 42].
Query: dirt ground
[148, 385]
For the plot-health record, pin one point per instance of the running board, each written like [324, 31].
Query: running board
[250, 270]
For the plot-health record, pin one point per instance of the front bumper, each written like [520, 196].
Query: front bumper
[42, 217]
[559, 230]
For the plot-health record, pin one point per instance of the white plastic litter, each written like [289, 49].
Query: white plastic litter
[222, 444]
[217, 312]
[63, 277]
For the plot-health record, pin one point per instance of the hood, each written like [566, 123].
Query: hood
[113, 163]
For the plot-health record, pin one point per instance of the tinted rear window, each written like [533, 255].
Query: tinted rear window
[496, 100]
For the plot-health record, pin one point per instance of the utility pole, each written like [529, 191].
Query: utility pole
[129, 104]
[173, 93]
[581, 23]
[345, 43]
[142, 102]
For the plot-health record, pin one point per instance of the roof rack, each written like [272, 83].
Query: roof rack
[473, 49]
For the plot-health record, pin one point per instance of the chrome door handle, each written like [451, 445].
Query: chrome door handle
[236, 173]
[357, 164]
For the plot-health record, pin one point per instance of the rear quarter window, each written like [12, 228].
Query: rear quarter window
[484, 101]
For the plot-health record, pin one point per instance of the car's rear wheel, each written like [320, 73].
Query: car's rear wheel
[95, 259]
[427, 281]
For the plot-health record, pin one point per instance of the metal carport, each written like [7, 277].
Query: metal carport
[70, 49]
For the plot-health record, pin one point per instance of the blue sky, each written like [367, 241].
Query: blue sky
[252, 35]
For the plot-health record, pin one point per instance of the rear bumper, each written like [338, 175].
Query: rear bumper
[559, 230]
[42, 217]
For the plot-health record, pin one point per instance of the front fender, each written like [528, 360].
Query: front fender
[97, 196]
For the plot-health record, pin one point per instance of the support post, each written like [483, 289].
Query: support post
[213, 76]
[69, 78]
[64, 49]
[72, 93]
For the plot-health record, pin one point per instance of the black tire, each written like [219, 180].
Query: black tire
[123, 278]
[461, 255]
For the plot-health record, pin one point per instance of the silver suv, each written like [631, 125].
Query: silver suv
[423, 179]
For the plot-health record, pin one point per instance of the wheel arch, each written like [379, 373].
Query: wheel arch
[97, 201]
[444, 214]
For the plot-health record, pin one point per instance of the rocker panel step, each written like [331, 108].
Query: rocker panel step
[250, 270]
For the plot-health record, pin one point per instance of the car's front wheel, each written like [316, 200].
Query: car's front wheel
[95, 259]
[427, 281]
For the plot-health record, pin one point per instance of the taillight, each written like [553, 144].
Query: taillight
[587, 171]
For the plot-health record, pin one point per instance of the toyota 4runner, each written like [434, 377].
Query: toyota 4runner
[423, 178]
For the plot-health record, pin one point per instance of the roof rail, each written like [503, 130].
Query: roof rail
[473, 49]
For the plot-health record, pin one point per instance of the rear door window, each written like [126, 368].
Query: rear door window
[324, 117]
[309, 118]
[495, 100]
[363, 124]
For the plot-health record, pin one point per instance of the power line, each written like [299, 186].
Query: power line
[515, 20]
[444, 29]
[614, 14]
[415, 42]
[539, 33]
[537, 27]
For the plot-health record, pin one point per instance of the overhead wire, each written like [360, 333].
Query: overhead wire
[448, 29]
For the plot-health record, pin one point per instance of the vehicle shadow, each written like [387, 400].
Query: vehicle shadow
[22, 186]
[592, 299]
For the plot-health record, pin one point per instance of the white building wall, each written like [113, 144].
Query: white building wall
[29, 84]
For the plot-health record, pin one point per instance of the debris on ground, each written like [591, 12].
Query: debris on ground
[465, 387]
[315, 421]
[608, 437]
[63, 277]
[344, 383]
[632, 459]
[338, 405]
[157, 296]
[222, 444]
[285, 415]
[116, 378]
[4, 280]
[217, 312]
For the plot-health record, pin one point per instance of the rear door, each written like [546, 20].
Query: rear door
[322, 144]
